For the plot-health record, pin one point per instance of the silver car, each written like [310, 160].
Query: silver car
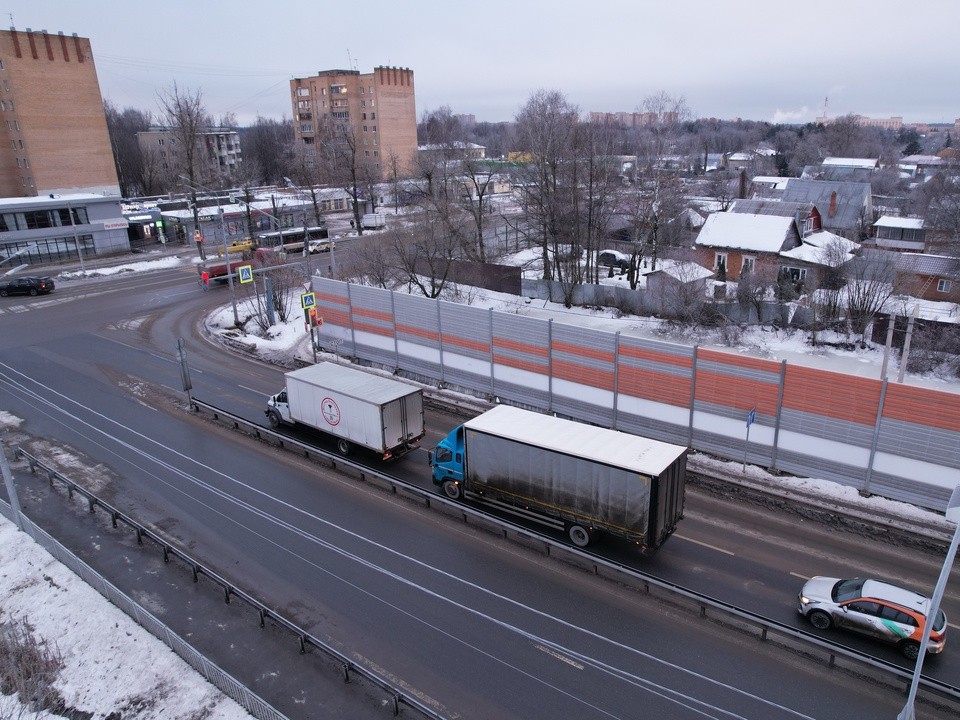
[874, 608]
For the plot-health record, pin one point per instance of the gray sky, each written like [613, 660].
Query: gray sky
[754, 59]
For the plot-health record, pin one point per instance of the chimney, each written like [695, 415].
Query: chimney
[833, 204]
[743, 184]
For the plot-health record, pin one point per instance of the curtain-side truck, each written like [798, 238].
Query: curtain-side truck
[569, 475]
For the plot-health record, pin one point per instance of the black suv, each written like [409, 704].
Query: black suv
[27, 286]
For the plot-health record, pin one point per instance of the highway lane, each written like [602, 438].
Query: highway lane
[343, 554]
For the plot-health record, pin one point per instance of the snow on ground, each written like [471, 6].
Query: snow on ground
[110, 664]
[105, 652]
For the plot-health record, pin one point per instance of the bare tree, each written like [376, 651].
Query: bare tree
[871, 280]
[425, 252]
[268, 147]
[347, 164]
[123, 127]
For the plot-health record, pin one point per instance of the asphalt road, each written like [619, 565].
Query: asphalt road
[475, 626]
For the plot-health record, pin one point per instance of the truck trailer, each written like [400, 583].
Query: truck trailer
[571, 476]
[356, 407]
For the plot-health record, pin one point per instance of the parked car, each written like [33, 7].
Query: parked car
[874, 608]
[319, 246]
[613, 258]
[27, 286]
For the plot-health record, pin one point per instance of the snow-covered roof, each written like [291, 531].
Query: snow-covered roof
[683, 271]
[777, 183]
[813, 250]
[900, 222]
[922, 160]
[741, 231]
[868, 163]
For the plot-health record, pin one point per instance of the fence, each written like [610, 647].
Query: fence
[893, 440]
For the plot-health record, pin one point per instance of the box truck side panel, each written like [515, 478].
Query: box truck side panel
[563, 485]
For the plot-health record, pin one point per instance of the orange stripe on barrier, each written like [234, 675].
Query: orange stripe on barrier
[832, 395]
[373, 314]
[466, 343]
[740, 361]
[521, 347]
[419, 332]
[528, 365]
[579, 350]
[922, 406]
[375, 329]
[736, 392]
[583, 375]
[335, 317]
[652, 385]
[331, 298]
[654, 356]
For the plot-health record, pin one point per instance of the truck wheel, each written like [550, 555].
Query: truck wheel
[274, 420]
[579, 535]
[452, 489]
[343, 447]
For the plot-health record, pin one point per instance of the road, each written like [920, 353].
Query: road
[477, 627]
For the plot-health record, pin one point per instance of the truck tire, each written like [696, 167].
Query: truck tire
[343, 447]
[274, 419]
[579, 535]
[452, 489]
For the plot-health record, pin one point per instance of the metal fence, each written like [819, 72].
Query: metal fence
[227, 684]
[888, 439]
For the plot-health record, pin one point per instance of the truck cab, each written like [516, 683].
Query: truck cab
[278, 410]
[447, 462]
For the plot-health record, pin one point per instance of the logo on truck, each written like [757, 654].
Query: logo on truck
[330, 410]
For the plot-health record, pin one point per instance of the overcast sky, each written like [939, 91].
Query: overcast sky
[754, 59]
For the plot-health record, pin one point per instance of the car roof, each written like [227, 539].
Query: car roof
[880, 590]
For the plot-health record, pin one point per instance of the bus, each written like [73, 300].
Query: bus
[292, 239]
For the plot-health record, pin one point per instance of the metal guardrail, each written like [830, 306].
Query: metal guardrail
[214, 674]
[835, 654]
[232, 687]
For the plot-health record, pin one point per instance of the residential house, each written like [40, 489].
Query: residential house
[930, 277]
[920, 166]
[731, 243]
[821, 254]
[899, 233]
[806, 215]
[846, 208]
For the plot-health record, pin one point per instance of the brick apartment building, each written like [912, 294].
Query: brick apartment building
[53, 130]
[217, 154]
[378, 109]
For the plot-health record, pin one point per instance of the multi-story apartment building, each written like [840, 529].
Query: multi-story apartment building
[53, 130]
[376, 111]
[634, 119]
[217, 154]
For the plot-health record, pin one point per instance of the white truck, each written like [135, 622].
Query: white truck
[374, 221]
[578, 478]
[356, 407]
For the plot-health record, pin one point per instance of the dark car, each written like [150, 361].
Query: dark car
[27, 286]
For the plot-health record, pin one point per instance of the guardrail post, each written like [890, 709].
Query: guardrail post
[166, 553]
[396, 705]
[263, 617]
[346, 673]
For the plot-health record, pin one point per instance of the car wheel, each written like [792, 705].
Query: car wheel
[820, 620]
[4, 292]
[274, 419]
[343, 447]
[910, 649]
[33, 292]
[579, 535]
[452, 489]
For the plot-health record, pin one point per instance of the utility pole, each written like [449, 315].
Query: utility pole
[226, 257]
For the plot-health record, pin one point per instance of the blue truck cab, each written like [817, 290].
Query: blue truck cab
[447, 462]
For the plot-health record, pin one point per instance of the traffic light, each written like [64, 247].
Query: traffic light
[313, 317]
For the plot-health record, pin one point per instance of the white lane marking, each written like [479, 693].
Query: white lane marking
[559, 656]
[703, 544]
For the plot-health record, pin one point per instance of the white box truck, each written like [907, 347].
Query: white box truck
[374, 221]
[578, 478]
[356, 407]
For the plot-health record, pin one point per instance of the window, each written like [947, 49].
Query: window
[373, 116]
[361, 89]
[795, 274]
[306, 127]
[363, 103]
[303, 92]
[308, 141]
[374, 128]
[159, 141]
[807, 226]
[943, 285]
[749, 264]
[364, 128]
[338, 89]
[443, 455]
[720, 261]
[363, 116]
[303, 105]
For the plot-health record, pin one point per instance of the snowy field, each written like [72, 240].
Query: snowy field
[104, 652]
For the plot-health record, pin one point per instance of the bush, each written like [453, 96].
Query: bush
[28, 668]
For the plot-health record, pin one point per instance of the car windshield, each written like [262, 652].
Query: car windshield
[847, 589]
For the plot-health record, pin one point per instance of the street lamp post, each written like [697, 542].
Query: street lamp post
[226, 258]
[953, 514]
